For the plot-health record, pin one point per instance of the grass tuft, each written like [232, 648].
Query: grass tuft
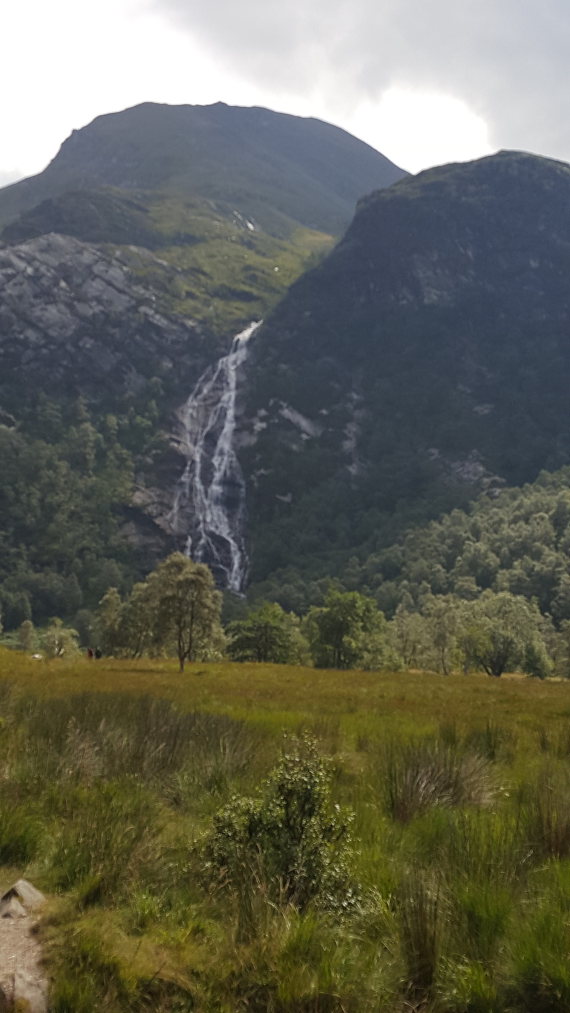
[422, 775]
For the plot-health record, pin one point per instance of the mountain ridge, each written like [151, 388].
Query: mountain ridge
[233, 202]
[187, 148]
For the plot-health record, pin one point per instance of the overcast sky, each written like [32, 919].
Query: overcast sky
[424, 81]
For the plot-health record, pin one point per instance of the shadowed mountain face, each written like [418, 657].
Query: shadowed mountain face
[429, 353]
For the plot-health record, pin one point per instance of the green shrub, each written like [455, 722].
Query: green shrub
[290, 838]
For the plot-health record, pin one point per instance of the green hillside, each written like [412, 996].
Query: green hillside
[203, 259]
[277, 169]
[234, 203]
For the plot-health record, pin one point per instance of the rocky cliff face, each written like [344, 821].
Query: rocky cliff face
[203, 216]
[75, 323]
[74, 320]
[431, 349]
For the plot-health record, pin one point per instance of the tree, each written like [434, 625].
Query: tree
[408, 636]
[27, 636]
[175, 610]
[58, 640]
[186, 606]
[267, 634]
[441, 614]
[501, 631]
[338, 632]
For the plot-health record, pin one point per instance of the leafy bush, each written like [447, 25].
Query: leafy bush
[291, 837]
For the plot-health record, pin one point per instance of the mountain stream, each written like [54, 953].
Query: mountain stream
[209, 502]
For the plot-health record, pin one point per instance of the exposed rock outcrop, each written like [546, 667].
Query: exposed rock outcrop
[75, 318]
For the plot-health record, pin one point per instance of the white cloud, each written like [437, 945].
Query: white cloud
[420, 128]
[422, 82]
[507, 60]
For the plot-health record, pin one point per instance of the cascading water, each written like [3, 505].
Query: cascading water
[209, 504]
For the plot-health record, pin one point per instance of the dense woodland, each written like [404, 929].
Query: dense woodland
[64, 502]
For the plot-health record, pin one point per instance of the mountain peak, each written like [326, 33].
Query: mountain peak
[309, 171]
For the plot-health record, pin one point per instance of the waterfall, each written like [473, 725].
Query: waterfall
[209, 503]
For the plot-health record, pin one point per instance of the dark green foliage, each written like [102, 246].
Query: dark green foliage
[176, 610]
[268, 634]
[61, 512]
[517, 541]
[347, 632]
[291, 837]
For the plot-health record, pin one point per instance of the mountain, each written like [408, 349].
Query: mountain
[281, 170]
[427, 357]
[234, 202]
[424, 360]
[125, 269]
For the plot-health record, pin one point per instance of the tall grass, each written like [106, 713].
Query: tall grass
[421, 921]
[110, 778]
[545, 809]
[421, 775]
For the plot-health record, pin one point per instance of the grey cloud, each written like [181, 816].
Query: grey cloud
[507, 59]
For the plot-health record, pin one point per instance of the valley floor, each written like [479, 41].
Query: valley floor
[273, 838]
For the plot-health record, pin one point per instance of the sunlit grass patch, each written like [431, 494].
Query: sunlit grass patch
[114, 774]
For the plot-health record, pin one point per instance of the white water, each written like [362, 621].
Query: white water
[209, 504]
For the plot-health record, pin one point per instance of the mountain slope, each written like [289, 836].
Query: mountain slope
[280, 169]
[428, 354]
[233, 202]
[132, 262]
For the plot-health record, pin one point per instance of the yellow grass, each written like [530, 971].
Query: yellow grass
[269, 694]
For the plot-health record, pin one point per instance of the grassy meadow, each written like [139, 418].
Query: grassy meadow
[271, 838]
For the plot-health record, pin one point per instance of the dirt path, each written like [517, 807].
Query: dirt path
[21, 974]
